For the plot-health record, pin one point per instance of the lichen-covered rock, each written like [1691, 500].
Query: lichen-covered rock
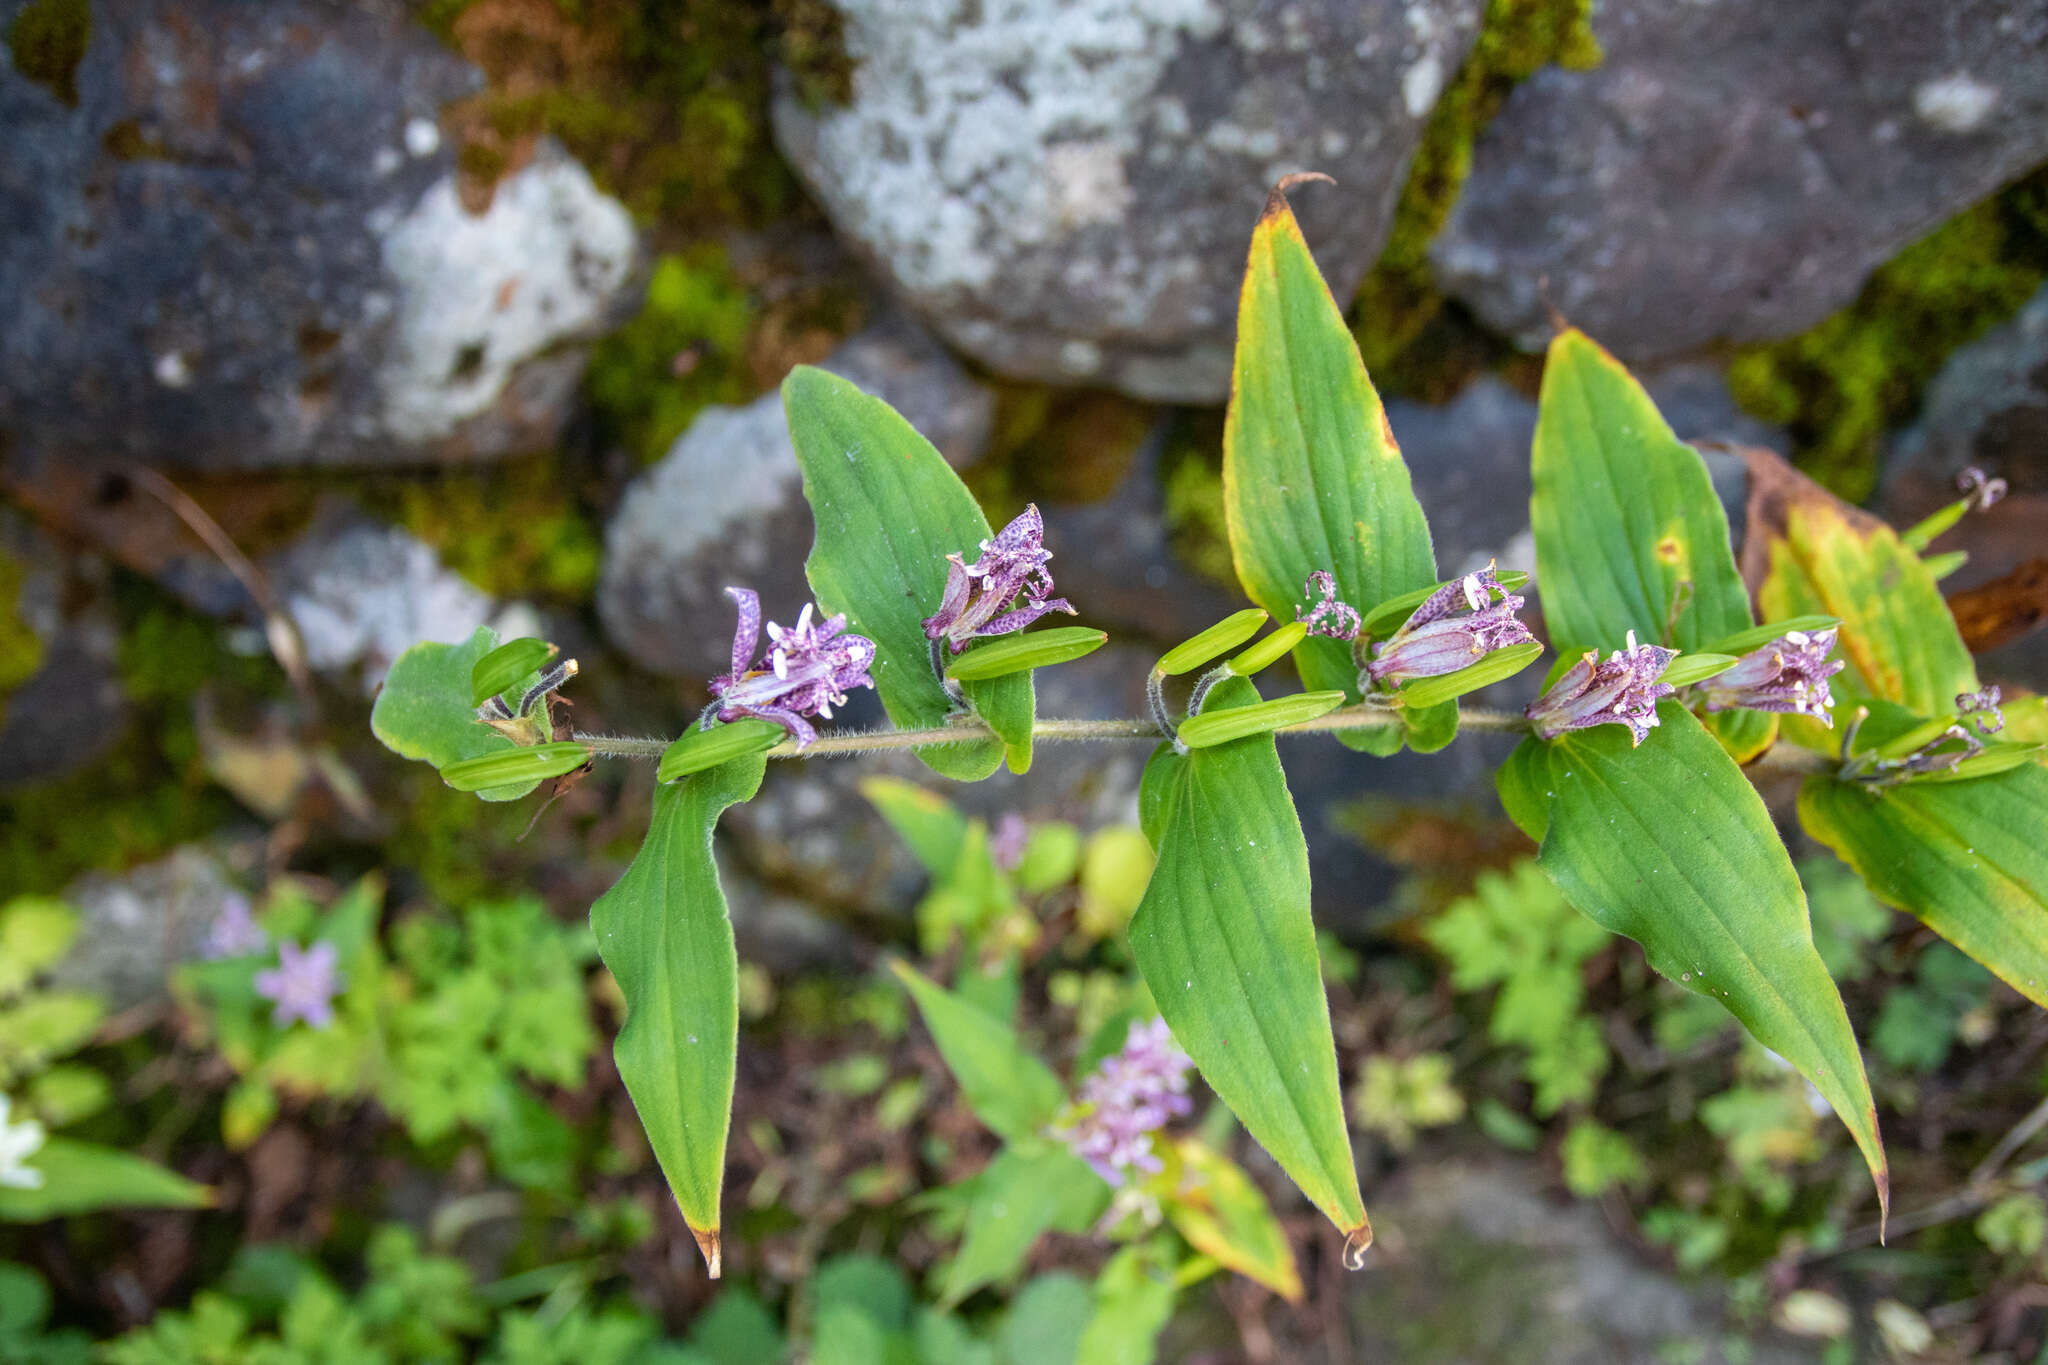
[237, 244]
[1065, 190]
[362, 593]
[725, 505]
[1735, 170]
[134, 929]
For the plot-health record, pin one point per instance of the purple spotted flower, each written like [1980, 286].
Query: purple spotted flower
[983, 598]
[808, 669]
[1338, 620]
[1789, 675]
[1456, 626]
[234, 931]
[302, 985]
[1622, 691]
[1129, 1097]
[1982, 709]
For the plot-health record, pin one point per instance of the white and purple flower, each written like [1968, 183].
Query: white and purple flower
[19, 1142]
[808, 669]
[1621, 691]
[1130, 1097]
[1789, 676]
[1338, 620]
[1005, 590]
[1455, 627]
[302, 985]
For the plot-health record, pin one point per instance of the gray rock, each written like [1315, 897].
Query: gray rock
[725, 505]
[242, 248]
[1065, 191]
[72, 709]
[1735, 170]
[1476, 1263]
[136, 928]
[1988, 408]
[362, 593]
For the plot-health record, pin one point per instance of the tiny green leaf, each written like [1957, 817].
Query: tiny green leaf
[513, 766]
[701, 749]
[1687, 669]
[1221, 727]
[1020, 653]
[888, 511]
[1312, 477]
[1224, 941]
[1270, 650]
[507, 664]
[1966, 857]
[664, 933]
[1388, 616]
[1671, 846]
[1923, 532]
[80, 1177]
[1499, 664]
[1009, 1088]
[1942, 565]
[423, 709]
[1219, 639]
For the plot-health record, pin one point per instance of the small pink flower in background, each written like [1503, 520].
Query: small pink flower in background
[1127, 1099]
[302, 985]
[1006, 843]
[1623, 690]
[234, 931]
[982, 598]
[807, 671]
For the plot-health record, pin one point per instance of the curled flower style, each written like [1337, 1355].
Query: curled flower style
[1131, 1096]
[1789, 675]
[1456, 626]
[1982, 709]
[1338, 620]
[808, 670]
[302, 985]
[1980, 491]
[1621, 691]
[982, 598]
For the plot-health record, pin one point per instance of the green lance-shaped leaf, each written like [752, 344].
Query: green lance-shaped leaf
[1312, 477]
[81, 1177]
[701, 749]
[1423, 693]
[535, 763]
[1028, 1190]
[1224, 941]
[1006, 1085]
[1219, 639]
[423, 710]
[1629, 532]
[664, 933]
[1687, 669]
[1021, 653]
[1967, 857]
[1232, 723]
[888, 511]
[1386, 618]
[509, 663]
[1670, 845]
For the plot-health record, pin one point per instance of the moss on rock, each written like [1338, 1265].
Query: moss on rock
[1838, 386]
[1399, 301]
[47, 41]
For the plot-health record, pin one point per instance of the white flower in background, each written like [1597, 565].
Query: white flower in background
[19, 1142]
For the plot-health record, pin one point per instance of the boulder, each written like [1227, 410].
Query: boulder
[1987, 408]
[230, 239]
[136, 928]
[1734, 171]
[1065, 191]
[62, 705]
[725, 505]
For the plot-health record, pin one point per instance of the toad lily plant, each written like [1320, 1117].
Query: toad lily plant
[1673, 676]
